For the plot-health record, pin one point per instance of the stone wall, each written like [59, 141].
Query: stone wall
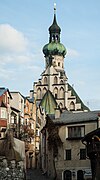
[11, 169]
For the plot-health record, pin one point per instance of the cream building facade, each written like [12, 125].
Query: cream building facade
[30, 130]
[70, 161]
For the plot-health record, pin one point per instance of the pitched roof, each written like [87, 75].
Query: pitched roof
[48, 103]
[3, 90]
[80, 117]
[78, 100]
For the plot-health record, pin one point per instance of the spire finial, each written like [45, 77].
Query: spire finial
[54, 8]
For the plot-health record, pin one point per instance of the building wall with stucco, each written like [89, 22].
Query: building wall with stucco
[75, 164]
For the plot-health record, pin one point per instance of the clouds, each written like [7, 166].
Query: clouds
[11, 40]
[73, 53]
[18, 60]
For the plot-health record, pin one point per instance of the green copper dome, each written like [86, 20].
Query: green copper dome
[54, 48]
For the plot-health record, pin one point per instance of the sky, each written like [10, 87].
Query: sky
[24, 31]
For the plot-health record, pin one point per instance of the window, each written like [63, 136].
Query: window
[55, 96]
[68, 154]
[55, 92]
[37, 132]
[45, 80]
[3, 113]
[61, 105]
[82, 154]
[72, 106]
[44, 91]
[55, 80]
[76, 132]
[80, 175]
[12, 119]
[39, 93]
[58, 63]
[67, 175]
[54, 63]
[61, 92]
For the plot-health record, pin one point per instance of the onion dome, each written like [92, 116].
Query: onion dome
[54, 27]
[54, 48]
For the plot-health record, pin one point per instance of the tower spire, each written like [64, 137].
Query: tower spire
[54, 47]
[54, 8]
[54, 29]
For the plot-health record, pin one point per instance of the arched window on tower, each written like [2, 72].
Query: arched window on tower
[55, 80]
[45, 80]
[72, 106]
[61, 82]
[61, 105]
[39, 93]
[44, 91]
[56, 37]
[58, 63]
[61, 92]
[53, 38]
[56, 92]
[39, 82]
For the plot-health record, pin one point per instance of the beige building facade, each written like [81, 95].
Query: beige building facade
[70, 162]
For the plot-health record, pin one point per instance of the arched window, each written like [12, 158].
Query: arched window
[72, 106]
[39, 82]
[61, 105]
[39, 93]
[61, 82]
[45, 80]
[61, 92]
[80, 175]
[67, 175]
[58, 63]
[44, 90]
[53, 38]
[55, 80]
[54, 63]
[56, 37]
[55, 92]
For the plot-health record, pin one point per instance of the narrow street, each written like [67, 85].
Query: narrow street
[36, 174]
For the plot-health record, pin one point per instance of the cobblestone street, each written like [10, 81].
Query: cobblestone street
[36, 174]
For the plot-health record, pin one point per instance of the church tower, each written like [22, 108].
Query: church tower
[53, 90]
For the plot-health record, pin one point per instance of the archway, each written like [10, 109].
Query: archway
[67, 175]
[80, 175]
